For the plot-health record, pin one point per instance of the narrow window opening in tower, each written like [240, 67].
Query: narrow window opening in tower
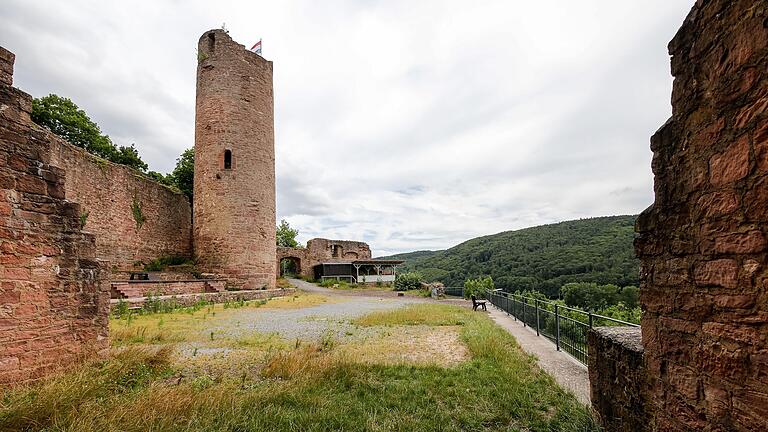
[227, 159]
[211, 41]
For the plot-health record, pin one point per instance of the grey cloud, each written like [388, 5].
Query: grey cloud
[409, 125]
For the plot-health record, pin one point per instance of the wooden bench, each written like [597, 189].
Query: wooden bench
[476, 303]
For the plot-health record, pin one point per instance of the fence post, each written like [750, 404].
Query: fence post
[557, 327]
[536, 302]
[525, 303]
[514, 311]
[590, 319]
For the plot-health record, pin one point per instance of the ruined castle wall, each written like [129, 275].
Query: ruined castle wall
[619, 385]
[324, 250]
[321, 250]
[107, 193]
[54, 295]
[234, 208]
[703, 243]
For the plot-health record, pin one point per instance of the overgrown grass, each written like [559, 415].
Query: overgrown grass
[417, 314]
[162, 263]
[283, 283]
[55, 404]
[312, 387]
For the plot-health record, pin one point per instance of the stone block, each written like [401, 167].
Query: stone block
[619, 382]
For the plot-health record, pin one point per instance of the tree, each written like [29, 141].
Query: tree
[630, 296]
[129, 156]
[160, 178]
[478, 287]
[286, 236]
[68, 121]
[183, 175]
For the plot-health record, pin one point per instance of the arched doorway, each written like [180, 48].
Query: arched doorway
[290, 267]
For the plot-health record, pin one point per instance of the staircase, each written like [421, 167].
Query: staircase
[126, 290]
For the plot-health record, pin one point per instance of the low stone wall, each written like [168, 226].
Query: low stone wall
[618, 379]
[218, 297]
[128, 289]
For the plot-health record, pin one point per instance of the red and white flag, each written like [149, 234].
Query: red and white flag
[257, 47]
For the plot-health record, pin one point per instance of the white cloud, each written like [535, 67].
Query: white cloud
[409, 125]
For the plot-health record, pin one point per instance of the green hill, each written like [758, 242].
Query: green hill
[542, 258]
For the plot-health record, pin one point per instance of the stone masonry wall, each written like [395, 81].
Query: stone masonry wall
[54, 296]
[127, 289]
[703, 243]
[618, 379]
[107, 193]
[321, 250]
[217, 297]
[234, 208]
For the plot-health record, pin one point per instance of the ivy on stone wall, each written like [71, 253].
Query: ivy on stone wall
[138, 216]
[83, 218]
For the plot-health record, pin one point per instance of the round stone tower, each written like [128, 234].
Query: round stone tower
[234, 191]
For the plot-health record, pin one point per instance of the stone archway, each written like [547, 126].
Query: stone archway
[289, 266]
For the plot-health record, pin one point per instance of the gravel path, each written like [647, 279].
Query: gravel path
[314, 322]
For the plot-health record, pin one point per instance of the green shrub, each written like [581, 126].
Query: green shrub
[408, 281]
[160, 264]
[327, 283]
[479, 287]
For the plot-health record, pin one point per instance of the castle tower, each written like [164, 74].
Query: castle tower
[234, 190]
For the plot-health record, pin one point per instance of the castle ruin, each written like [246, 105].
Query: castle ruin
[70, 221]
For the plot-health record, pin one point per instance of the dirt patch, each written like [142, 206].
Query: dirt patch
[421, 345]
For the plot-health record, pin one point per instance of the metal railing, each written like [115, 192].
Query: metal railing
[566, 327]
[454, 291]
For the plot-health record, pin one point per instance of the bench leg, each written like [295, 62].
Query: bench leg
[484, 307]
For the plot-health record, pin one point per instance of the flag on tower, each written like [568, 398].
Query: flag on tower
[257, 47]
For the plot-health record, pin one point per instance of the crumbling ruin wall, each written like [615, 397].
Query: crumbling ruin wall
[325, 250]
[320, 250]
[703, 242]
[114, 198]
[619, 385]
[54, 295]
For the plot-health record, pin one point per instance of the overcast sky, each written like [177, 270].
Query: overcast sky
[406, 124]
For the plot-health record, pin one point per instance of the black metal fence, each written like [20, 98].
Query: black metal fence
[566, 327]
[454, 291]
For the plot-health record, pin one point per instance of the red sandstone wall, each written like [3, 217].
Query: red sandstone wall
[703, 243]
[107, 191]
[54, 299]
[131, 289]
[321, 250]
[234, 209]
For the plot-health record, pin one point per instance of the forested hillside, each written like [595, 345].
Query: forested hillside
[542, 258]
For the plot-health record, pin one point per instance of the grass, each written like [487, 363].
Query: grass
[417, 314]
[316, 386]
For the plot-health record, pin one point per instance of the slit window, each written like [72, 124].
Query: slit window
[227, 159]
